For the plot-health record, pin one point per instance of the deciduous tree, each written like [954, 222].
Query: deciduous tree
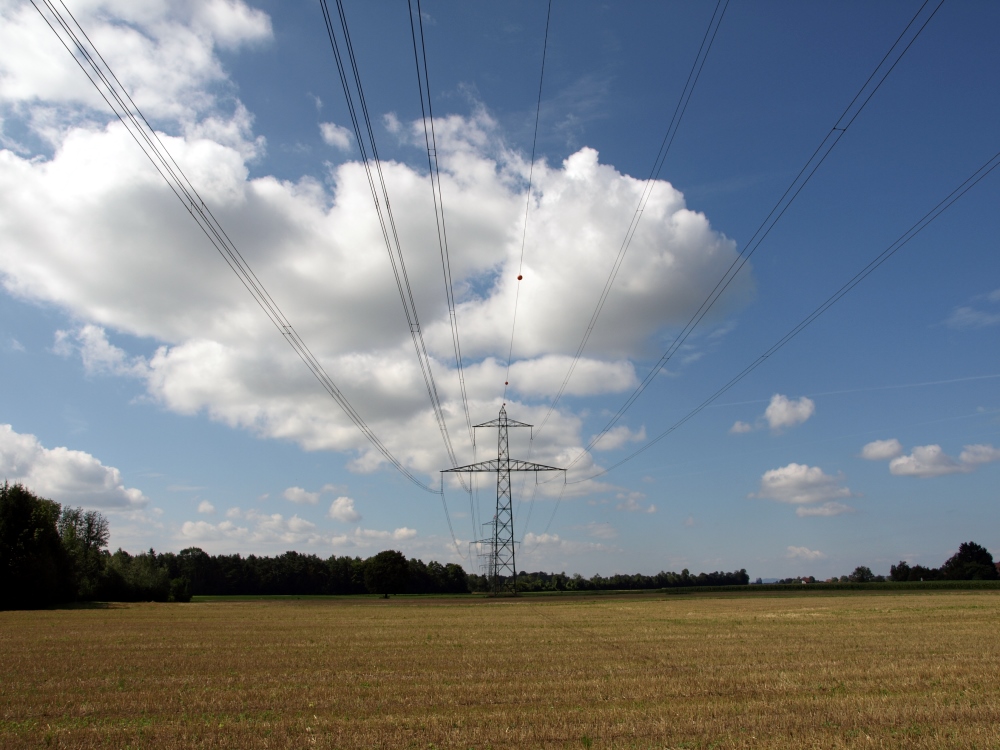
[387, 573]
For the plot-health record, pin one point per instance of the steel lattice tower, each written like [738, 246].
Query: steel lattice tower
[502, 568]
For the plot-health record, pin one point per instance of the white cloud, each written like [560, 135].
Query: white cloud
[261, 528]
[67, 476]
[234, 512]
[781, 413]
[931, 461]
[975, 317]
[629, 502]
[91, 228]
[163, 53]
[799, 484]
[366, 537]
[335, 135]
[974, 455]
[620, 436]
[536, 545]
[99, 356]
[206, 507]
[342, 509]
[300, 496]
[392, 123]
[882, 450]
[784, 412]
[804, 553]
[827, 509]
[398, 535]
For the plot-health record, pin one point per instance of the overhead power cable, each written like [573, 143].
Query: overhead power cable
[860, 276]
[72, 36]
[383, 210]
[527, 203]
[383, 207]
[654, 173]
[864, 95]
[434, 173]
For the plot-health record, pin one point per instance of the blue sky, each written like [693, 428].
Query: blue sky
[140, 378]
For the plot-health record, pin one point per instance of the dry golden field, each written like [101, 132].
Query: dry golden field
[863, 670]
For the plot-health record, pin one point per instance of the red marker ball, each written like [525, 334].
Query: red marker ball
[506, 383]
[519, 277]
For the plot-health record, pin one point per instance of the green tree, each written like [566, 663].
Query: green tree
[138, 578]
[34, 570]
[861, 574]
[387, 573]
[900, 572]
[971, 562]
[84, 536]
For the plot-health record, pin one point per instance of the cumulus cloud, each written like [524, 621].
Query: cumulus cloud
[802, 485]
[882, 450]
[784, 412]
[620, 436]
[926, 461]
[300, 496]
[781, 413]
[335, 135]
[365, 537]
[91, 228]
[974, 455]
[70, 477]
[164, 53]
[342, 509]
[931, 461]
[206, 507]
[629, 502]
[804, 553]
[260, 528]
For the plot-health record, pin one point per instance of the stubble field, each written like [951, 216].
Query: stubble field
[889, 670]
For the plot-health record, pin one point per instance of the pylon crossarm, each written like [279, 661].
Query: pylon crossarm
[508, 422]
[493, 465]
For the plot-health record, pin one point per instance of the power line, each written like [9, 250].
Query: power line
[72, 36]
[654, 173]
[860, 276]
[434, 173]
[383, 210]
[527, 203]
[903, 43]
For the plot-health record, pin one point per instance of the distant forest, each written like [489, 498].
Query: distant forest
[50, 555]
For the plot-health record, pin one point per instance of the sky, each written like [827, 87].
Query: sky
[139, 377]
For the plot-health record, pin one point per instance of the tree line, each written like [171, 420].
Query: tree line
[50, 554]
[972, 562]
[540, 581]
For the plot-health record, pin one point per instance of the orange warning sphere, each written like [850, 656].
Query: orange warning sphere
[519, 277]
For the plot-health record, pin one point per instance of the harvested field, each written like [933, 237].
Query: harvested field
[862, 670]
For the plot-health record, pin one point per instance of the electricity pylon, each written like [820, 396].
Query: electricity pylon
[502, 569]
